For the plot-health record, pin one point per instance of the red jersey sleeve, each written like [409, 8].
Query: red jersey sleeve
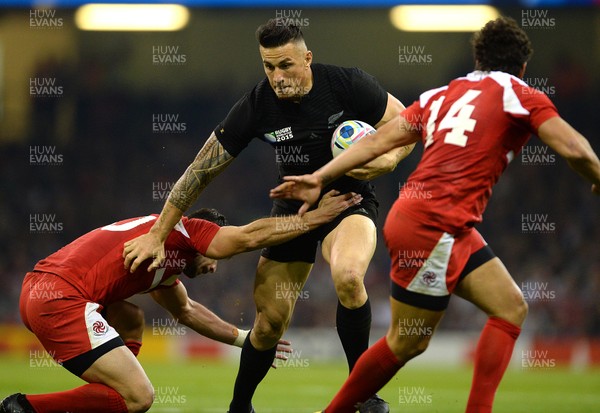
[539, 105]
[413, 115]
[417, 113]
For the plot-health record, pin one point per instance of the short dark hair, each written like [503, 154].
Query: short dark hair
[501, 45]
[278, 32]
[210, 214]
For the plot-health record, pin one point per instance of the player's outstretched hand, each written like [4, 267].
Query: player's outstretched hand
[284, 348]
[305, 188]
[332, 204]
[140, 249]
[596, 189]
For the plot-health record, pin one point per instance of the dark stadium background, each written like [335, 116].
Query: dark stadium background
[102, 124]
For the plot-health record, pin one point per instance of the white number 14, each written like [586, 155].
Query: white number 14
[458, 119]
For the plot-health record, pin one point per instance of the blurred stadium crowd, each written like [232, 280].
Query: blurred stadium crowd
[115, 166]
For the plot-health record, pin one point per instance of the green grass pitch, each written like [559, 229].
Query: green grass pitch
[206, 385]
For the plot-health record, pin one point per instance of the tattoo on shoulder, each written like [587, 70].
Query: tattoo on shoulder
[209, 162]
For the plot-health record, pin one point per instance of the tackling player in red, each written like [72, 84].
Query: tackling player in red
[63, 297]
[470, 129]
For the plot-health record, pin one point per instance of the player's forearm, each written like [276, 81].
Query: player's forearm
[403, 152]
[209, 162]
[389, 160]
[572, 146]
[382, 165]
[587, 165]
[379, 166]
[271, 231]
[582, 159]
[205, 322]
[168, 218]
[362, 152]
[396, 133]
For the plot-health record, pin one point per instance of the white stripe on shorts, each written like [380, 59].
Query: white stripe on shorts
[431, 277]
[99, 331]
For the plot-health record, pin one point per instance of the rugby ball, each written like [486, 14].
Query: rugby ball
[347, 133]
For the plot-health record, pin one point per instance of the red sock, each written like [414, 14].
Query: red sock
[371, 372]
[492, 356]
[91, 398]
[134, 346]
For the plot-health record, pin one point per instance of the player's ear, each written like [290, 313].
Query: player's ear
[308, 58]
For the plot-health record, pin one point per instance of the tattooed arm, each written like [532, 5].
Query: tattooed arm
[209, 162]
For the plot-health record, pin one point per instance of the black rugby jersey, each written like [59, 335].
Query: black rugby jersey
[300, 132]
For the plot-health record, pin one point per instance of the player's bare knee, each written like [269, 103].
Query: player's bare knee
[514, 310]
[519, 311]
[350, 288]
[141, 399]
[266, 338]
[139, 407]
[269, 329]
[407, 348]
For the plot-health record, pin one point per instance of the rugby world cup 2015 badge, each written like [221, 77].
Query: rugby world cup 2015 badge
[280, 135]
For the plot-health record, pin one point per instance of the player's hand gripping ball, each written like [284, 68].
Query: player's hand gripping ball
[347, 133]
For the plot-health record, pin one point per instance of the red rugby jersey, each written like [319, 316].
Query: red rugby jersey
[94, 263]
[471, 129]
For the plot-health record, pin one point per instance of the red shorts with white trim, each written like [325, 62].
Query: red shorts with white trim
[428, 263]
[68, 325]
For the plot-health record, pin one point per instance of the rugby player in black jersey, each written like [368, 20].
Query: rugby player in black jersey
[295, 109]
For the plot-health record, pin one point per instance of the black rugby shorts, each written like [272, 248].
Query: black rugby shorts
[304, 247]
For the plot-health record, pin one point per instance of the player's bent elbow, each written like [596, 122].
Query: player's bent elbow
[391, 165]
[388, 163]
[408, 150]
